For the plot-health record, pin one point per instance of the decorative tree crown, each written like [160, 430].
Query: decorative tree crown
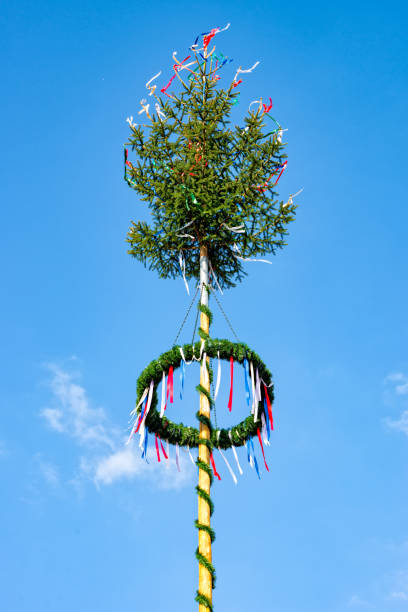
[206, 183]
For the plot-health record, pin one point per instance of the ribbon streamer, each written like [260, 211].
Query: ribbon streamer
[257, 395]
[232, 383]
[217, 386]
[163, 395]
[144, 452]
[182, 264]
[130, 122]
[246, 373]
[252, 387]
[157, 448]
[236, 249]
[216, 474]
[265, 412]
[255, 460]
[162, 447]
[182, 377]
[145, 392]
[268, 402]
[149, 403]
[235, 454]
[159, 111]
[264, 430]
[231, 471]
[152, 89]
[262, 448]
[190, 455]
[290, 199]
[178, 457]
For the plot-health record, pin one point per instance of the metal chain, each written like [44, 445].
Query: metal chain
[225, 316]
[186, 316]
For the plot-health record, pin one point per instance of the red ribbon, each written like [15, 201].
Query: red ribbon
[169, 392]
[284, 166]
[157, 448]
[267, 108]
[237, 83]
[268, 402]
[214, 468]
[232, 383]
[164, 90]
[162, 447]
[207, 39]
[170, 384]
[262, 448]
[128, 163]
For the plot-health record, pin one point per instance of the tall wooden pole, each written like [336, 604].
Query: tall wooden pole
[204, 515]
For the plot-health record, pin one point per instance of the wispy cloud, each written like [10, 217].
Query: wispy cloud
[48, 471]
[104, 459]
[400, 382]
[400, 590]
[356, 601]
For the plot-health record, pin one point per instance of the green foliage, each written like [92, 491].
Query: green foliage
[178, 433]
[201, 176]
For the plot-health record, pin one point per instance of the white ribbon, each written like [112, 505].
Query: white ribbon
[153, 88]
[231, 471]
[251, 460]
[235, 453]
[240, 70]
[290, 200]
[178, 457]
[201, 352]
[130, 122]
[140, 401]
[149, 401]
[236, 249]
[190, 455]
[257, 394]
[238, 229]
[264, 431]
[264, 383]
[183, 357]
[159, 111]
[163, 395]
[252, 387]
[217, 386]
[145, 108]
[256, 102]
[182, 264]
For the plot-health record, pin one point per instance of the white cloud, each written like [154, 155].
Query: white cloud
[73, 413]
[356, 602]
[127, 463]
[49, 472]
[106, 458]
[401, 595]
[400, 424]
[400, 382]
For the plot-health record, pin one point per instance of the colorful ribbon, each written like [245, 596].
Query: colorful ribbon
[182, 377]
[217, 386]
[262, 448]
[235, 453]
[157, 448]
[254, 456]
[265, 412]
[216, 474]
[246, 373]
[268, 402]
[231, 471]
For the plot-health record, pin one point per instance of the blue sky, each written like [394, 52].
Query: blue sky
[85, 524]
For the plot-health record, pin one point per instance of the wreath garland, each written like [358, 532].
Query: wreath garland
[178, 433]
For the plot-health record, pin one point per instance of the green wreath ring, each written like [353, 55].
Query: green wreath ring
[189, 436]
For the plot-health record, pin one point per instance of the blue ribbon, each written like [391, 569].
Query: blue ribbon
[246, 371]
[182, 376]
[268, 427]
[255, 461]
[144, 452]
[248, 451]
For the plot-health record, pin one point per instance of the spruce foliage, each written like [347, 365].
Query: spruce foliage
[206, 182]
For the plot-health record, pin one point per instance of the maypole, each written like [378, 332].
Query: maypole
[211, 193]
[205, 576]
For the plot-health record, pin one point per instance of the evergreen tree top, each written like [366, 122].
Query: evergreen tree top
[207, 183]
